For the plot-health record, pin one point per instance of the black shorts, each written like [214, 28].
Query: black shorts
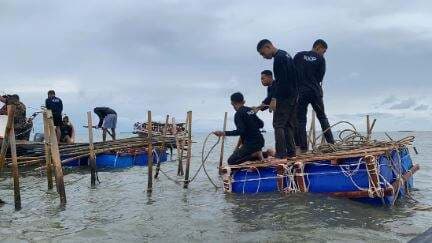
[57, 118]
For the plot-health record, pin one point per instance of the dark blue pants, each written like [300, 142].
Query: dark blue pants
[317, 103]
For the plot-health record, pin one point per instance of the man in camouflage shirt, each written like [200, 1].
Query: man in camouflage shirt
[22, 125]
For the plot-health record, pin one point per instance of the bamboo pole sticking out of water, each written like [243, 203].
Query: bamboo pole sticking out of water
[189, 151]
[56, 159]
[92, 155]
[312, 131]
[223, 142]
[15, 173]
[48, 163]
[179, 146]
[5, 143]
[163, 146]
[367, 127]
[150, 153]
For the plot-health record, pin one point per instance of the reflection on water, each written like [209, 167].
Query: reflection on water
[119, 209]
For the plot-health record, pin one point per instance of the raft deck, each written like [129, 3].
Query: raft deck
[372, 174]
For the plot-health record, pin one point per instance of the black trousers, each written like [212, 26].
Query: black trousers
[317, 103]
[284, 124]
[244, 153]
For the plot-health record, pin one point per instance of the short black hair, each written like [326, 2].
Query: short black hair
[267, 72]
[262, 43]
[15, 97]
[237, 97]
[320, 42]
[51, 92]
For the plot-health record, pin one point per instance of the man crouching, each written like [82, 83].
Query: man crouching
[248, 128]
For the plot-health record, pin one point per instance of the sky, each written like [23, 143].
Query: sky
[172, 56]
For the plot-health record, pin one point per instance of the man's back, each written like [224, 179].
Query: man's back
[248, 126]
[54, 104]
[311, 69]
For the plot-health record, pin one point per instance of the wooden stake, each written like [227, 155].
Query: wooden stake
[179, 145]
[5, 143]
[92, 155]
[150, 153]
[189, 152]
[163, 146]
[15, 173]
[223, 142]
[56, 159]
[48, 163]
[367, 127]
[312, 131]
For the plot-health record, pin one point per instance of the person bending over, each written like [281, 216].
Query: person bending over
[284, 100]
[107, 120]
[248, 128]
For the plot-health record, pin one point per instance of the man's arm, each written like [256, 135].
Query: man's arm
[240, 126]
[321, 71]
[61, 105]
[282, 74]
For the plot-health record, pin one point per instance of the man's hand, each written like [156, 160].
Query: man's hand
[219, 133]
[255, 109]
[272, 105]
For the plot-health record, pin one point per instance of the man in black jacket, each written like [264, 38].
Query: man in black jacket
[55, 104]
[284, 100]
[311, 68]
[248, 127]
[266, 81]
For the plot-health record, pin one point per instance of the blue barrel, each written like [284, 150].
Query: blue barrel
[114, 160]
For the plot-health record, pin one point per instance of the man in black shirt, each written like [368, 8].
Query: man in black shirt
[311, 69]
[266, 81]
[55, 104]
[284, 100]
[107, 120]
[248, 127]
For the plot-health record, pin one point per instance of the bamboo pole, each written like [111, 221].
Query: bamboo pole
[179, 145]
[163, 146]
[149, 153]
[92, 156]
[15, 173]
[48, 156]
[312, 131]
[189, 152]
[5, 143]
[56, 160]
[367, 127]
[221, 156]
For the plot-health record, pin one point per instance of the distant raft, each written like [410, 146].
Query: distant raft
[121, 159]
[375, 175]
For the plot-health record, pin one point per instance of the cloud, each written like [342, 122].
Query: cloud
[404, 104]
[171, 56]
[421, 108]
[389, 100]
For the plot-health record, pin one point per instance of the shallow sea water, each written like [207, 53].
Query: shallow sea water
[119, 209]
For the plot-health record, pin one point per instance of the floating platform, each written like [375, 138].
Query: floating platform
[120, 160]
[371, 175]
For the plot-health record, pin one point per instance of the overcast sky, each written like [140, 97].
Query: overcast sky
[173, 56]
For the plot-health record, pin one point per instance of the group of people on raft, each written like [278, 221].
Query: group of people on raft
[65, 131]
[291, 87]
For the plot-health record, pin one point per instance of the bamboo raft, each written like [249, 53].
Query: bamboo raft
[356, 167]
[52, 155]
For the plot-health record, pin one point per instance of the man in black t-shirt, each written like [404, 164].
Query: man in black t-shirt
[284, 100]
[311, 68]
[248, 127]
[55, 104]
